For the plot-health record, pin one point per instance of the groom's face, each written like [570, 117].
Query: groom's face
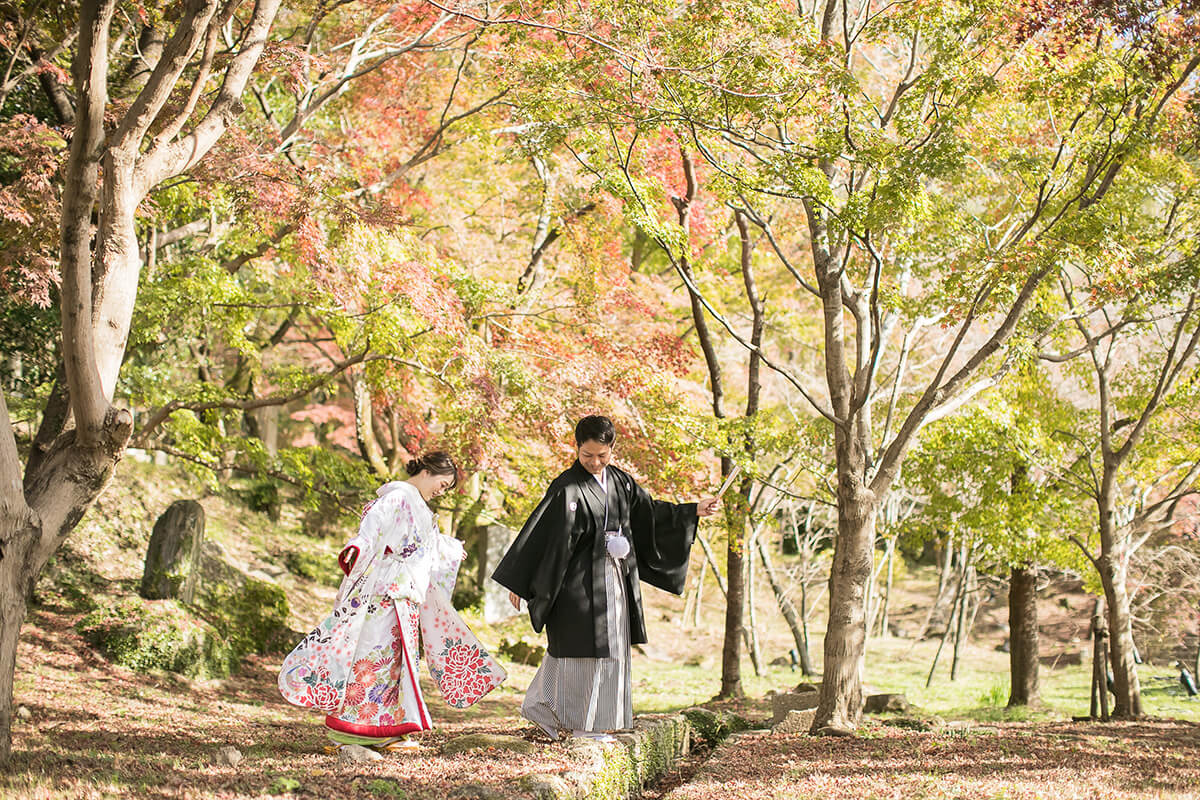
[594, 456]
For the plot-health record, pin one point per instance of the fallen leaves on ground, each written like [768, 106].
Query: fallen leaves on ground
[1013, 761]
[102, 731]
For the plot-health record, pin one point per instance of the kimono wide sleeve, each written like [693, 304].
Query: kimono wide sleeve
[448, 555]
[663, 534]
[535, 567]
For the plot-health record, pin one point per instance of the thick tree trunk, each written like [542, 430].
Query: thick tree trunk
[1023, 636]
[841, 700]
[120, 258]
[1127, 692]
[33, 527]
[1112, 564]
[14, 580]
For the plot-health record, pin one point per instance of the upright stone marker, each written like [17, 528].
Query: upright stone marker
[174, 553]
[495, 541]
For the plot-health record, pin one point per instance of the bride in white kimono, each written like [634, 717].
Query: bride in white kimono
[360, 665]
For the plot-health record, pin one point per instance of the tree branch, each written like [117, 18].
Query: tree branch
[177, 52]
[336, 497]
[936, 394]
[12, 493]
[160, 416]
[166, 160]
[80, 189]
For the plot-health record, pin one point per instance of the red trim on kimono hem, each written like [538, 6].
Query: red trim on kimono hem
[340, 725]
[412, 676]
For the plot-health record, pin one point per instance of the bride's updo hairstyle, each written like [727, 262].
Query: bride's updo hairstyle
[435, 462]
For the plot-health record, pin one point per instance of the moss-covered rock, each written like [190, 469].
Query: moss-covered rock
[233, 615]
[522, 651]
[319, 567]
[172, 553]
[251, 607]
[253, 611]
[161, 634]
[715, 727]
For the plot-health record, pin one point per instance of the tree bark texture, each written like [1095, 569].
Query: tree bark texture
[841, 700]
[1023, 636]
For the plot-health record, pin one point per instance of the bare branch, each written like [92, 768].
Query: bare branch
[937, 393]
[626, 60]
[1086, 551]
[1166, 378]
[754, 217]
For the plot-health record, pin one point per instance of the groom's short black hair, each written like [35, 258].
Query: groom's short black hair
[595, 428]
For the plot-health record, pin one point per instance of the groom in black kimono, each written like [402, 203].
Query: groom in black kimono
[577, 562]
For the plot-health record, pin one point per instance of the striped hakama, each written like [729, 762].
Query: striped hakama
[587, 694]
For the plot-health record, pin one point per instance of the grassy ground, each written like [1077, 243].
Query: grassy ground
[100, 731]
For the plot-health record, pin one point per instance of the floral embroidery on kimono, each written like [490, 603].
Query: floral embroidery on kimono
[360, 664]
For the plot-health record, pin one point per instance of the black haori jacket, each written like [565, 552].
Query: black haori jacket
[557, 560]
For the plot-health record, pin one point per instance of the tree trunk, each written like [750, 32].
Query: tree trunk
[1127, 692]
[1196, 661]
[751, 615]
[955, 611]
[887, 590]
[806, 666]
[14, 587]
[1113, 566]
[34, 526]
[960, 624]
[841, 700]
[19, 533]
[735, 600]
[1023, 636]
[364, 427]
[939, 612]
